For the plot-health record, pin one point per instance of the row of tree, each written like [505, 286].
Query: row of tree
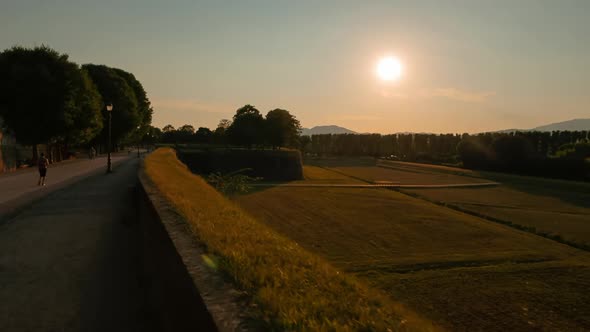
[248, 128]
[554, 154]
[440, 147]
[47, 99]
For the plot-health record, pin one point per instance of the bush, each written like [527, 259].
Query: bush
[231, 183]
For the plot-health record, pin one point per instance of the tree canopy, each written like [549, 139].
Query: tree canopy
[44, 97]
[247, 127]
[282, 128]
[115, 90]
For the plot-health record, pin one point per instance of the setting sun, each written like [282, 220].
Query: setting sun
[389, 68]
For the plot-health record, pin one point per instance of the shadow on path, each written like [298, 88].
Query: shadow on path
[71, 261]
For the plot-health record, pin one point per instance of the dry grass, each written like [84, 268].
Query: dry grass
[374, 229]
[541, 214]
[294, 289]
[314, 174]
[557, 209]
[458, 270]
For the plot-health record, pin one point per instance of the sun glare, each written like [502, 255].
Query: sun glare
[389, 69]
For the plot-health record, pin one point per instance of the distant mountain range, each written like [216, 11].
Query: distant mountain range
[318, 130]
[571, 125]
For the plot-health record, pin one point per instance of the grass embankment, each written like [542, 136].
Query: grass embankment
[294, 289]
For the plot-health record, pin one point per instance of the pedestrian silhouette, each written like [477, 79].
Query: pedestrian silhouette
[43, 163]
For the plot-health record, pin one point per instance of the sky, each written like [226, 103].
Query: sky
[468, 66]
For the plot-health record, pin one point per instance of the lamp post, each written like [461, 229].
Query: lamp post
[138, 156]
[110, 112]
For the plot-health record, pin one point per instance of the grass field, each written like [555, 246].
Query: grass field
[553, 207]
[461, 271]
[288, 288]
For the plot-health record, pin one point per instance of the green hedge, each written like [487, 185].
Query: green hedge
[274, 165]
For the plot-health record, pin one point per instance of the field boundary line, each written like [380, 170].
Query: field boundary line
[527, 229]
[404, 186]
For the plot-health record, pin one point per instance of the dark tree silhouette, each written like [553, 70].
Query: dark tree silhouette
[168, 128]
[247, 128]
[115, 89]
[46, 98]
[144, 107]
[203, 135]
[512, 152]
[473, 153]
[282, 128]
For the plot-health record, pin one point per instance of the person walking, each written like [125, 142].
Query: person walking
[43, 163]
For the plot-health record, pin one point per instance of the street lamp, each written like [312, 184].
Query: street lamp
[138, 156]
[110, 112]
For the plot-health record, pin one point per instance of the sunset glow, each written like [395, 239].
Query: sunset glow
[389, 69]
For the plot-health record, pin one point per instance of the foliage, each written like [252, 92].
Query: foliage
[152, 136]
[282, 128]
[291, 289]
[512, 152]
[579, 150]
[144, 107]
[82, 114]
[247, 127]
[232, 183]
[44, 97]
[115, 90]
[473, 153]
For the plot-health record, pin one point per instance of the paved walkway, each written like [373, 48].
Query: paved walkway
[23, 182]
[70, 261]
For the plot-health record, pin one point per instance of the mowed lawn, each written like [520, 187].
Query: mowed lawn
[461, 271]
[554, 207]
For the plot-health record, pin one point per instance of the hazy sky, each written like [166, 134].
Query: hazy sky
[468, 65]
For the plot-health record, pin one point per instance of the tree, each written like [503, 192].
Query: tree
[114, 89]
[513, 152]
[304, 143]
[473, 153]
[152, 136]
[168, 134]
[168, 128]
[185, 133]
[82, 118]
[188, 129]
[247, 127]
[203, 135]
[219, 136]
[144, 107]
[282, 128]
[46, 98]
